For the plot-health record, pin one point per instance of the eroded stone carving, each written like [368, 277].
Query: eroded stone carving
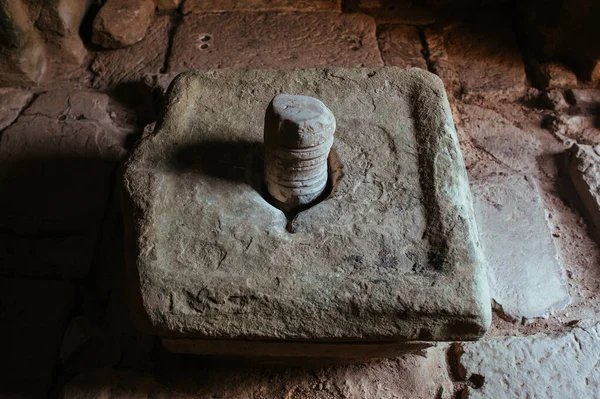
[298, 137]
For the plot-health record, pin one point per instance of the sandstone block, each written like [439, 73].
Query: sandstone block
[12, 101]
[583, 165]
[552, 75]
[122, 23]
[56, 165]
[33, 315]
[401, 46]
[274, 41]
[484, 57]
[509, 145]
[207, 6]
[539, 366]
[219, 262]
[404, 12]
[418, 376]
[526, 279]
[129, 65]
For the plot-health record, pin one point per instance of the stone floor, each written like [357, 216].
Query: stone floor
[66, 332]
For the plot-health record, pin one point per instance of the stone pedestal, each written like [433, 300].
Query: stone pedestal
[389, 260]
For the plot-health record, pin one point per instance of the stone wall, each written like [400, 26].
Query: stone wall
[526, 107]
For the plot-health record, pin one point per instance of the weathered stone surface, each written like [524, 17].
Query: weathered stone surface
[552, 75]
[419, 376]
[587, 100]
[404, 12]
[509, 145]
[122, 23]
[274, 41]
[23, 59]
[59, 22]
[207, 6]
[583, 165]
[167, 4]
[553, 99]
[56, 163]
[401, 46]
[129, 65]
[33, 315]
[539, 366]
[526, 280]
[388, 256]
[12, 101]
[483, 55]
[581, 128]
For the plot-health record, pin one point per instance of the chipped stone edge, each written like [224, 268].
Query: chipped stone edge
[427, 90]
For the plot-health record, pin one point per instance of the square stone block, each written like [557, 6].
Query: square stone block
[390, 258]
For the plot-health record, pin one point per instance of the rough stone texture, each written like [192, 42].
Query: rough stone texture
[483, 55]
[404, 12]
[584, 169]
[418, 376]
[129, 65]
[526, 280]
[12, 101]
[553, 99]
[33, 315]
[400, 46]
[274, 41]
[581, 128]
[167, 4]
[58, 23]
[23, 58]
[388, 256]
[207, 6]
[505, 142]
[121, 23]
[539, 366]
[552, 75]
[587, 100]
[56, 163]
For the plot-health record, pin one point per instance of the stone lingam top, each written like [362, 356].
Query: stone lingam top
[389, 257]
[298, 137]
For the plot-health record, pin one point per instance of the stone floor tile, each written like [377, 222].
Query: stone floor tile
[207, 6]
[12, 101]
[274, 41]
[583, 166]
[56, 163]
[506, 143]
[539, 366]
[400, 46]
[526, 279]
[128, 65]
[412, 376]
[482, 54]
[33, 316]
[405, 12]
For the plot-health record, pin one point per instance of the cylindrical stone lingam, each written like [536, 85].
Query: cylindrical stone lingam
[298, 137]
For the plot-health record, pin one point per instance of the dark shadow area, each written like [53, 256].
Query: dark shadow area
[240, 161]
